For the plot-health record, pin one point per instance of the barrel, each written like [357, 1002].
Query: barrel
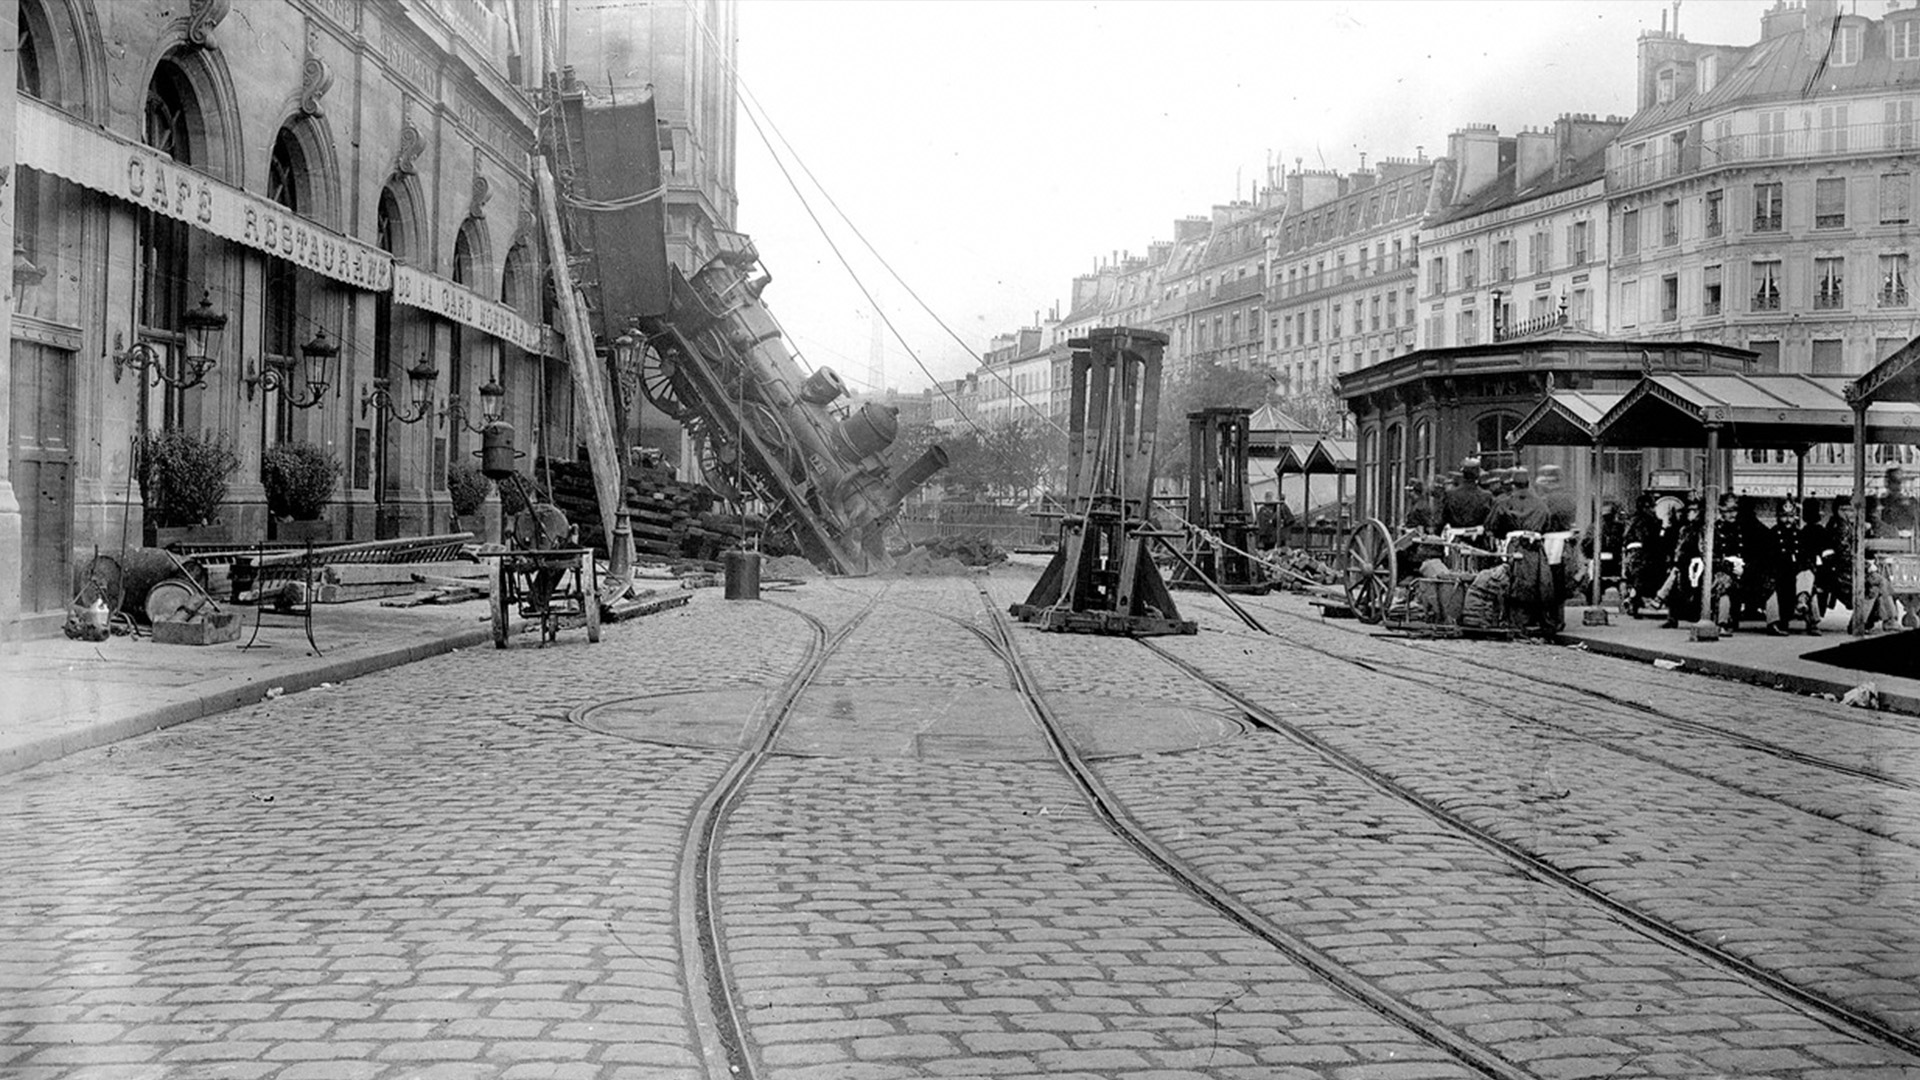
[496, 450]
[743, 574]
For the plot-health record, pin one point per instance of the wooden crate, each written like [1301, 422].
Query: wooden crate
[212, 628]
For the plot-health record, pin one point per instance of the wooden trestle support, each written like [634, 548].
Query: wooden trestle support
[1102, 579]
[1219, 515]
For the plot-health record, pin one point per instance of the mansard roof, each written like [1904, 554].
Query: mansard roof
[1783, 69]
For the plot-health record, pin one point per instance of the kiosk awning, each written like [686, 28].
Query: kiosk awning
[1897, 378]
[1750, 412]
[1565, 418]
[1331, 456]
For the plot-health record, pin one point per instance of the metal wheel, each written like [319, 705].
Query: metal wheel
[590, 598]
[656, 382]
[174, 600]
[497, 600]
[1369, 570]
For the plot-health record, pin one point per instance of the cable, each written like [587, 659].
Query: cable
[750, 104]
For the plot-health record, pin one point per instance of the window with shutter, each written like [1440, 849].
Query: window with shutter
[1896, 195]
[1830, 203]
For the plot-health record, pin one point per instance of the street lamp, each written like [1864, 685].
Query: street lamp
[492, 398]
[204, 326]
[628, 351]
[317, 354]
[422, 376]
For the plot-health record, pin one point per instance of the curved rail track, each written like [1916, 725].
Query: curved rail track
[717, 1002]
[1447, 681]
[1834, 1013]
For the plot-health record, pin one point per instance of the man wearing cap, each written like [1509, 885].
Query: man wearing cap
[1466, 504]
[1419, 517]
[1795, 551]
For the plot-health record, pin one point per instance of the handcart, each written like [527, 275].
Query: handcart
[540, 576]
[1386, 584]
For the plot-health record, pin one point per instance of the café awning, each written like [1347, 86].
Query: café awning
[1750, 412]
[93, 157]
[1565, 418]
[54, 142]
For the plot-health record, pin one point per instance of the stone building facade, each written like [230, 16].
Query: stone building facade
[1528, 252]
[1763, 195]
[323, 174]
[1341, 280]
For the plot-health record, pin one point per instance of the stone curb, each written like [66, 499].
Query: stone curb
[232, 692]
[1772, 680]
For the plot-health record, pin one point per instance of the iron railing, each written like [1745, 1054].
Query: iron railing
[1898, 137]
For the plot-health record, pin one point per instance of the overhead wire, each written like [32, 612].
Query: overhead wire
[750, 104]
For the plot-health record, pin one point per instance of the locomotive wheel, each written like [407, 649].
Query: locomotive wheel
[497, 600]
[656, 382]
[1369, 570]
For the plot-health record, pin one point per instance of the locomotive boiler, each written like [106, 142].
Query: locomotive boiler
[716, 361]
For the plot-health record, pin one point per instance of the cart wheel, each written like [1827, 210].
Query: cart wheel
[1369, 570]
[590, 599]
[497, 600]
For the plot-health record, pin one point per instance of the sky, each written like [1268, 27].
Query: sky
[990, 150]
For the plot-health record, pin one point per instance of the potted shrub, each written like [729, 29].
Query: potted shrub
[467, 489]
[299, 478]
[183, 480]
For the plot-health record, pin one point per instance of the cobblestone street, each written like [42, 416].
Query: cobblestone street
[1345, 857]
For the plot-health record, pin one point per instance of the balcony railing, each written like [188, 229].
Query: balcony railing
[1799, 145]
[1539, 324]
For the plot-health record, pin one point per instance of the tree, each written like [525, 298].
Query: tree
[1007, 460]
[1206, 385]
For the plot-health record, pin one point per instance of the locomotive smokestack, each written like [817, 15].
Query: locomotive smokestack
[931, 461]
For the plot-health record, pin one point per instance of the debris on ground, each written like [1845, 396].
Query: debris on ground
[974, 550]
[921, 562]
[1864, 696]
[788, 568]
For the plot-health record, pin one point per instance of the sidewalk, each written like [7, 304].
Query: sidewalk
[1751, 656]
[58, 696]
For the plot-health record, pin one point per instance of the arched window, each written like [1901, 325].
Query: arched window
[1393, 475]
[164, 243]
[1490, 438]
[1367, 498]
[1422, 452]
[465, 347]
[280, 317]
[388, 369]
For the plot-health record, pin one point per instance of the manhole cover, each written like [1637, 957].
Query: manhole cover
[925, 722]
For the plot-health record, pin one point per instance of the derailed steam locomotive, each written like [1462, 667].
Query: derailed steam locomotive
[713, 358]
[716, 362]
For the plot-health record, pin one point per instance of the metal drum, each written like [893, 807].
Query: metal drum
[743, 574]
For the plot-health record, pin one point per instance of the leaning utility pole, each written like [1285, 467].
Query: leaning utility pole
[595, 396]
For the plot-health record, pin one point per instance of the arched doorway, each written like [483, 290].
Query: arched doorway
[401, 338]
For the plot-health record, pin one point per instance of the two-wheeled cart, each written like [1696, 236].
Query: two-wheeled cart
[540, 574]
[1385, 585]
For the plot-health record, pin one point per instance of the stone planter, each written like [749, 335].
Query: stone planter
[216, 533]
[303, 532]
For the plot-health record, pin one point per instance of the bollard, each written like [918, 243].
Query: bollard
[743, 574]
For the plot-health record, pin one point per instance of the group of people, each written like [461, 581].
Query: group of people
[1799, 562]
[1515, 507]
